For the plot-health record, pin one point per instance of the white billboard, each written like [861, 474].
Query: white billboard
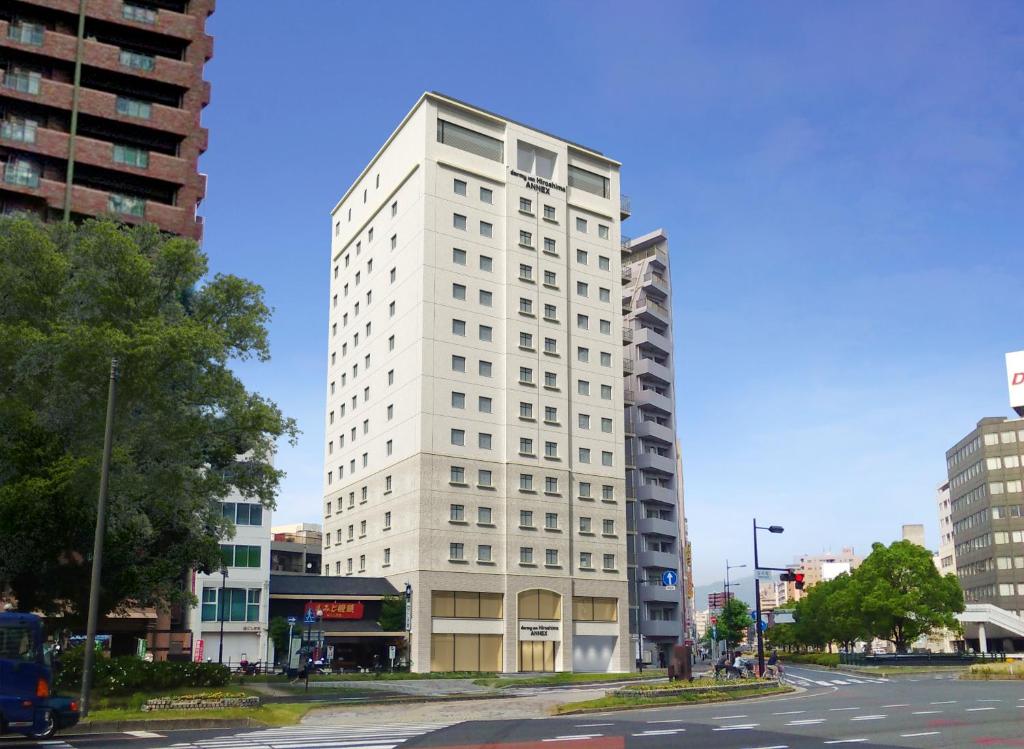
[832, 570]
[1015, 379]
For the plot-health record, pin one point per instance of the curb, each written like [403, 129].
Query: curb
[159, 724]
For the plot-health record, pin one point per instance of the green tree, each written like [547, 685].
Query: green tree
[72, 297]
[903, 596]
[734, 622]
[392, 614]
[279, 636]
[844, 621]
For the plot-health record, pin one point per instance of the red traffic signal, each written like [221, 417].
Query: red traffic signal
[798, 578]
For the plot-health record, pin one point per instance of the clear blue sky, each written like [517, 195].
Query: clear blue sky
[841, 184]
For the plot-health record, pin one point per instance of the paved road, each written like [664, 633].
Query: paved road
[920, 711]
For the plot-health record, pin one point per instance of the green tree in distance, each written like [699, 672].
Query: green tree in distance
[279, 636]
[902, 595]
[72, 297]
[733, 622]
[392, 614]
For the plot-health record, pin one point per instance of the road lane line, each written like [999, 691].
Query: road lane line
[672, 720]
[592, 725]
[926, 712]
[726, 717]
[943, 702]
[806, 722]
[870, 717]
[738, 727]
[840, 681]
[989, 700]
[978, 709]
[900, 705]
[923, 733]
[579, 737]
[791, 712]
[846, 741]
[822, 683]
[838, 709]
[662, 732]
[145, 735]
[777, 746]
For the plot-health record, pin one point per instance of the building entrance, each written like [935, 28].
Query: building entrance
[537, 656]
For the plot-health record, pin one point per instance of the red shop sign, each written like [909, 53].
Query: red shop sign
[338, 609]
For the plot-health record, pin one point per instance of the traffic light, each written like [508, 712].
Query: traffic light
[788, 576]
[798, 578]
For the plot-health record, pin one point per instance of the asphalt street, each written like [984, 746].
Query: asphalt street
[833, 709]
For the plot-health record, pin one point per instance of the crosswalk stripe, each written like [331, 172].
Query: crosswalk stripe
[316, 737]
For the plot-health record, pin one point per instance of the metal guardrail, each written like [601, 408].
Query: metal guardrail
[919, 659]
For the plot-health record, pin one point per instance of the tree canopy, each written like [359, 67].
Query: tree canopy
[733, 622]
[186, 429]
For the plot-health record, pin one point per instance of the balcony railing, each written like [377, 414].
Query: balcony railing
[625, 206]
[629, 395]
[627, 335]
[26, 33]
[627, 273]
[627, 366]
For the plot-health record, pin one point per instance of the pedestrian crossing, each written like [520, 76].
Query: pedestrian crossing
[317, 737]
[817, 679]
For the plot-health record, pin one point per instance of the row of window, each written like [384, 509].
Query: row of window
[230, 604]
[457, 514]
[243, 513]
[998, 538]
[457, 553]
[533, 604]
[485, 441]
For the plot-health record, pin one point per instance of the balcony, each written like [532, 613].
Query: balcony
[661, 628]
[648, 338]
[627, 273]
[651, 369]
[627, 334]
[653, 311]
[654, 285]
[652, 399]
[625, 207]
[662, 559]
[624, 243]
[168, 22]
[653, 430]
[661, 494]
[655, 462]
[627, 365]
[658, 526]
[658, 593]
[629, 395]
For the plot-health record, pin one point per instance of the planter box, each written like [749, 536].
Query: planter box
[177, 703]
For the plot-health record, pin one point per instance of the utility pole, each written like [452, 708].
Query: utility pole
[223, 610]
[97, 547]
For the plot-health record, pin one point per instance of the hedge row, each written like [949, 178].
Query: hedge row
[830, 660]
[126, 675]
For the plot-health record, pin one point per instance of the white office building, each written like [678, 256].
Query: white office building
[239, 599]
[474, 418]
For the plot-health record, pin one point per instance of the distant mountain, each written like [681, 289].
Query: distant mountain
[743, 587]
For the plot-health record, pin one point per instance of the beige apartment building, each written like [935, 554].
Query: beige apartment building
[474, 421]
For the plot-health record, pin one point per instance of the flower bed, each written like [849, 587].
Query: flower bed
[201, 702]
[671, 689]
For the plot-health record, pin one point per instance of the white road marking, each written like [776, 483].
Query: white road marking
[840, 681]
[870, 717]
[727, 717]
[838, 709]
[944, 702]
[926, 712]
[823, 683]
[662, 732]
[576, 737]
[596, 725]
[791, 712]
[923, 733]
[806, 722]
[989, 700]
[672, 720]
[738, 727]
[900, 705]
[777, 746]
[846, 741]
[145, 735]
[978, 709]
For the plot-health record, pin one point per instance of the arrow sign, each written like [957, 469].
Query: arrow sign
[669, 578]
[291, 621]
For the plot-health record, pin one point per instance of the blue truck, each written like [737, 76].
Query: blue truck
[27, 703]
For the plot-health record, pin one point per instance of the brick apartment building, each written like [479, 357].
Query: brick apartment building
[100, 104]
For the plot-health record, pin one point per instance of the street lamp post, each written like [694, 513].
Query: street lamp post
[408, 625]
[727, 568]
[223, 610]
[757, 594]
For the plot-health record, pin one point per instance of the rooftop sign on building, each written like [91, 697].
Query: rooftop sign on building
[1015, 380]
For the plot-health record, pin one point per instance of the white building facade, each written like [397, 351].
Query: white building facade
[240, 599]
[474, 420]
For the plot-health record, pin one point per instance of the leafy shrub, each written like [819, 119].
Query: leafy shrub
[830, 660]
[118, 676]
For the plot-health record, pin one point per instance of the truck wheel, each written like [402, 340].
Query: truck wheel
[49, 726]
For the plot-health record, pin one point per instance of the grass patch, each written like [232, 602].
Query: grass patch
[829, 660]
[559, 679]
[1008, 670]
[884, 671]
[661, 686]
[615, 702]
[275, 714]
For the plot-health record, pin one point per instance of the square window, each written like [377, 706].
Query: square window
[583, 387]
[525, 306]
[455, 552]
[459, 437]
[606, 424]
[484, 441]
[486, 229]
[525, 205]
[459, 187]
[550, 414]
[585, 558]
[459, 327]
[551, 518]
[459, 221]
[525, 340]
[486, 195]
[583, 420]
[525, 272]
[605, 295]
[526, 482]
[484, 404]
[486, 333]
[483, 515]
[550, 278]
[603, 263]
[608, 527]
[606, 327]
[486, 264]
[606, 359]
[550, 346]
[526, 375]
[606, 392]
[486, 298]
[525, 555]
[582, 322]
[584, 489]
[602, 231]
[458, 475]
[526, 446]
[525, 238]
[549, 245]
[483, 553]
[526, 518]
[581, 225]
[549, 212]
[525, 410]
[583, 353]
[609, 562]
[582, 289]
[550, 312]
[458, 291]
[551, 557]
[581, 257]
[458, 363]
[485, 368]
[551, 451]
[606, 458]
[550, 380]
[457, 513]
[458, 400]
[459, 256]
[483, 477]
[584, 455]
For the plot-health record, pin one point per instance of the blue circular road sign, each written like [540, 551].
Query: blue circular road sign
[669, 578]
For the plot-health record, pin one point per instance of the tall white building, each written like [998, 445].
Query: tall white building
[240, 597]
[474, 419]
[947, 550]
